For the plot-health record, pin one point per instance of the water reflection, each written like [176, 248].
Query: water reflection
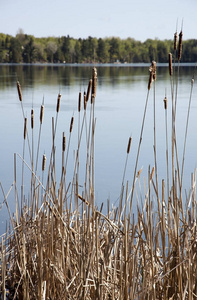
[121, 96]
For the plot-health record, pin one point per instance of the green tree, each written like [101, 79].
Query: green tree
[114, 50]
[29, 54]
[39, 53]
[103, 51]
[51, 49]
[78, 54]
[65, 44]
[15, 51]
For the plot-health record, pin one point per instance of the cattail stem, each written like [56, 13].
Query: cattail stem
[22, 186]
[186, 129]
[20, 98]
[138, 153]
[128, 151]
[39, 137]
[166, 127]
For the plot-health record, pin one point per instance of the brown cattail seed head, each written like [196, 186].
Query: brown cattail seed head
[94, 82]
[71, 124]
[84, 100]
[175, 40]
[19, 90]
[150, 80]
[58, 102]
[152, 173]
[154, 69]
[25, 128]
[41, 113]
[129, 145]
[63, 142]
[32, 118]
[180, 45]
[165, 101]
[89, 89]
[43, 162]
[170, 63]
[139, 172]
[152, 76]
[79, 102]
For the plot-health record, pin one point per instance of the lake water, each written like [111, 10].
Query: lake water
[120, 101]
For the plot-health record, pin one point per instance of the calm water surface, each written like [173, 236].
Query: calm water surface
[120, 101]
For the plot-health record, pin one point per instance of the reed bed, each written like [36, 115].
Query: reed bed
[60, 245]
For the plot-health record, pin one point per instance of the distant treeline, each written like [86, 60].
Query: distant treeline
[25, 48]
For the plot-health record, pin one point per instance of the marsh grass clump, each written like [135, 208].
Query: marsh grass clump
[60, 245]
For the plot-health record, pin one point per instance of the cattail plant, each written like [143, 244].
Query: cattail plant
[84, 100]
[175, 41]
[58, 102]
[89, 89]
[32, 119]
[79, 102]
[71, 124]
[94, 83]
[41, 121]
[180, 45]
[41, 113]
[129, 145]
[63, 142]
[152, 76]
[43, 162]
[25, 128]
[170, 63]
[165, 102]
[19, 90]
[61, 252]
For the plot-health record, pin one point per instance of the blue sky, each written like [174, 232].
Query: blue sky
[139, 19]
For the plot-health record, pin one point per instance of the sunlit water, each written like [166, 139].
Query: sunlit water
[119, 108]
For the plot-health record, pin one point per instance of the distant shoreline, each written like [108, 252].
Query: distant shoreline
[185, 64]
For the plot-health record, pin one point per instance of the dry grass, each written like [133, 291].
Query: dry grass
[61, 246]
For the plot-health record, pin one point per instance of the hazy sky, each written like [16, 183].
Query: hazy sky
[139, 19]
